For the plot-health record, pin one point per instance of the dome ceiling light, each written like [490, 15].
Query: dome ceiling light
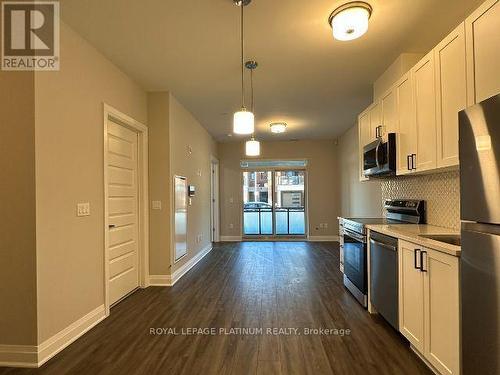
[244, 121]
[278, 127]
[350, 21]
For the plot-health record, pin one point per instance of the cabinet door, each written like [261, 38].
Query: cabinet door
[364, 139]
[405, 118]
[451, 94]
[411, 296]
[483, 53]
[375, 120]
[442, 327]
[425, 113]
[389, 120]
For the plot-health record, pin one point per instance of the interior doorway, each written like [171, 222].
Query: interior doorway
[274, 204]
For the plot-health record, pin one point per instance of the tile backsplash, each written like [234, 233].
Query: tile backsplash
[441, 192]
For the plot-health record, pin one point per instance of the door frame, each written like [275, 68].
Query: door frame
[214, 200]
[122, 119]
[274, 236]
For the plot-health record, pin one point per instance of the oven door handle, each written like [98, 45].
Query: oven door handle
[356, 236]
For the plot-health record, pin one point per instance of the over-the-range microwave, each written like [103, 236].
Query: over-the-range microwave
[379, 157]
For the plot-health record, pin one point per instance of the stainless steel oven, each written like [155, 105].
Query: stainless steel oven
[379, 157]
[355, 264]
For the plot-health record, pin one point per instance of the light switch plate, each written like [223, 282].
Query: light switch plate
[156, 205]
[83, 209]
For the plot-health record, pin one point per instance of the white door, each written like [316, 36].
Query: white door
[122, 211]
[425, 111]
[442, 311]
[411, 295]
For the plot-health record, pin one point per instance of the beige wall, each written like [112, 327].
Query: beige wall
[187, 133]
[159, 182]
[69, 169]
[359, 199]
[18, 325]
[323, 182]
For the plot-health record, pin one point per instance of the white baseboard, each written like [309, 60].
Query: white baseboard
[52, 346]
[167, 280]
[19, 356]
[230, 238]
[323, 238]
[36, 356]
[160, 280]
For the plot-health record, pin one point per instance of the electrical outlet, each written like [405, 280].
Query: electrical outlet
[156, 205]
[83, 209]
[231, 226]
[325, 225]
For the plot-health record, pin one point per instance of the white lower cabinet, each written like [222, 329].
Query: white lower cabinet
[429, 305]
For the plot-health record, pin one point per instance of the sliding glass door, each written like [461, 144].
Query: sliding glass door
[274, 203]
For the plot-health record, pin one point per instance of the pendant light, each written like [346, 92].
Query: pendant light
[244, 121]
[252, 147]
[350, 21]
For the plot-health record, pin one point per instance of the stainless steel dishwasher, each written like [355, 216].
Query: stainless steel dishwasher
[384, 276]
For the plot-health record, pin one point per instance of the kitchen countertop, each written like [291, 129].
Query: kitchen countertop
[411, 232]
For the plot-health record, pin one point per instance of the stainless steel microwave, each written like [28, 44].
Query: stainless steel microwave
[379, 157]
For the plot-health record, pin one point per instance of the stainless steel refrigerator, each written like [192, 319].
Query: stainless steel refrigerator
[480, 261]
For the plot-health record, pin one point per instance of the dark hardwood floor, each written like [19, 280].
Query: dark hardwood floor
[253, 285]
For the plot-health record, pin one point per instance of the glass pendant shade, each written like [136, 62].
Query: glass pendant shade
[350, 23]
[244, 122]
[252, 147]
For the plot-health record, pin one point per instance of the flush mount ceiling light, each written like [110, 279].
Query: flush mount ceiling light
[278, 127]
[350, 21]
[243, 121]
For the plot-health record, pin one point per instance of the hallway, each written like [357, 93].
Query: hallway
[252, 285]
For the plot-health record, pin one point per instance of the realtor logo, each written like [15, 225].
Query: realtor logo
[30, 35]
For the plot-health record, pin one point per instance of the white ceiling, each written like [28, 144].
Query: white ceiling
[314, 83]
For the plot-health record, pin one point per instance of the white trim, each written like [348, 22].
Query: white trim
[58, 342]
[19, 356]
[115, 115]
[190, 264]
[214, 200]
[160, 280]
[167, 280]
[323, 238]
[231, 238]
[35, 356]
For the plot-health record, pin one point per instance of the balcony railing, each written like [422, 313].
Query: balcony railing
[288, 221]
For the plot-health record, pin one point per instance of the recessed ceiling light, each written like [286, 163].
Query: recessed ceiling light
[278, 127]
[350, 21]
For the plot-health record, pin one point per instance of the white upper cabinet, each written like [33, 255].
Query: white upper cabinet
[407, 132]
[375, 121]
[451, 94]
[424, 96]
[389, 110]
[483, 52]
[364, 138]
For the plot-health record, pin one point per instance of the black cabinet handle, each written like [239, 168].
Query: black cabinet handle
[414, 161]
[408, 162]
[416, 257]
[422, 261]
[111, 226]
